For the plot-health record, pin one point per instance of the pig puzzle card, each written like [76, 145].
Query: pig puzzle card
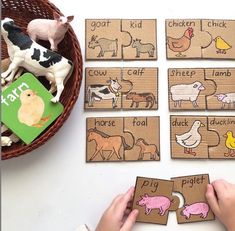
[193, 190]
[153, 198]
[123, 139]
[200, 38]
[194, 137]
[117, 39]
[121, 88]
[201, 89]
[27, 109]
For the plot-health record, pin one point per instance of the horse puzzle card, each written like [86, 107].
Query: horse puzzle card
[201, 89]
[123, 139]
[194, 137]
[121, 88]
[200, 38]
[193, 190]
[117, 39]
[27, 108]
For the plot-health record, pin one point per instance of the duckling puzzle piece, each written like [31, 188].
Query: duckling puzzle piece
[153, 198]
[122, 139]
[116, 88]
[193, 190]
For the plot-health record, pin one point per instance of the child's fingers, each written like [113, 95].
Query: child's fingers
[220, 186]
[211, 198]
[130, 221]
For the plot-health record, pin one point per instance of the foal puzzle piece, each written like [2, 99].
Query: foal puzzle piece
[122, 139]
[117, 39]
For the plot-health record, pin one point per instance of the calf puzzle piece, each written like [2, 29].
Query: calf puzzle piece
[153, 198]
[200, 38]
[117, 39]
[193, 190]
[122, 139]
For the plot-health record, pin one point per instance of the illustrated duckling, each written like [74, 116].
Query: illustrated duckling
[230, 144]
[191, 139]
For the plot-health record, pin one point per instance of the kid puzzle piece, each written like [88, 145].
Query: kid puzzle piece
[153, 198]
[200, 38]
[201, 89]
[123, 139]
[117, 88]
[116, 39]
[193, 190]
[194, 137]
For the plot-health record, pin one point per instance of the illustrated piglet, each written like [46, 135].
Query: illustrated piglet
[199, 208]
[49, 30]
[158, 202]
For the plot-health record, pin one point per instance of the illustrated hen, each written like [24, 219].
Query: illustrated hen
[181, 44]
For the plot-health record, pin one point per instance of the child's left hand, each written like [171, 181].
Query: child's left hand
[119, 217]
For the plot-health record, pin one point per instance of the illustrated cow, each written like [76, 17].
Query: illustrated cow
[98, 92]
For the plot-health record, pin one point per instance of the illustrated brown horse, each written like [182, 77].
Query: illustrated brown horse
[105, 142]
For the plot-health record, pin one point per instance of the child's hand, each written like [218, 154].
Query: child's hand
[221, 198]
[119, 217]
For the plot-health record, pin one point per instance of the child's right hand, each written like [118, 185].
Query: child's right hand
[221, 198]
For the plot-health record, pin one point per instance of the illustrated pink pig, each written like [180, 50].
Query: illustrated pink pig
[198, 208]
[49, 30]
[158, 202]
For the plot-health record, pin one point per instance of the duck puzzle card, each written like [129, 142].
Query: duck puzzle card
[121, 88]
[27, 109]
[200, 38]
[122, 139]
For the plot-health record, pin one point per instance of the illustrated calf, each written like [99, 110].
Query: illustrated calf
[100, 92]
[24, 52]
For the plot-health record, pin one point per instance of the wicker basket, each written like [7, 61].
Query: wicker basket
[23, 11]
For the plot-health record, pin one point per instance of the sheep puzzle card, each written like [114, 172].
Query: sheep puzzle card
[123, 139]
[195, 207]
[121, 88]
[117, 39]
[200, 38]
[201, 89]
[27, 108]
[194, 137]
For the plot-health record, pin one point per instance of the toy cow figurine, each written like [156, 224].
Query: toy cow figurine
[49, 30]
[24, 52]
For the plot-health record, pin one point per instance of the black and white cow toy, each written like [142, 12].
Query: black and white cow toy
[24, 52]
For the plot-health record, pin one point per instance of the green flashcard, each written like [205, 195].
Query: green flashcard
[27, 108]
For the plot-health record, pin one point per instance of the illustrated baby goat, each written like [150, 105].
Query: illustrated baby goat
[143, 48]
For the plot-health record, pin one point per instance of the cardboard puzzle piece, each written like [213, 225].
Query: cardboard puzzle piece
[201, 89]
[195, 137]
[117, 39]
[117, 88]
[193, 190]
[123, 139]
[153, 198]
[200, 38]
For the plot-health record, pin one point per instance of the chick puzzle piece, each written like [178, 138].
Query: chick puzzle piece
[122, 139]
[200, 38]
[201, 89]
[195, 137]
[117, 39]
[193, 190]
[121, 88]
[27, 109]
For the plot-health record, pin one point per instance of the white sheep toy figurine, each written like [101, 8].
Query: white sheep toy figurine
[228, 98]
[26, 53]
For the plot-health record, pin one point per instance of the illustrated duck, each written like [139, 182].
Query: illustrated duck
[230, 144]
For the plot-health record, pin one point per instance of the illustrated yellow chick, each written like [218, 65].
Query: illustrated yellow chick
[230, 144]
[221, 45]
[31, 109]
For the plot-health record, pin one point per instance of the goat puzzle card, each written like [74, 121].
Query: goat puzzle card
[27, 108]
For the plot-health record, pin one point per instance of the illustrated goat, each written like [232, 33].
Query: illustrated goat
[143, 48]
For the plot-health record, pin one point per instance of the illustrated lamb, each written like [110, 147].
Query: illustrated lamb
[228, 98]
[186, 92]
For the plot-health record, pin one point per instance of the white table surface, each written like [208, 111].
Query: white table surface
[53, 188]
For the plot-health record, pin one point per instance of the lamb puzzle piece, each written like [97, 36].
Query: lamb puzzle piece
[200, 38]
[193, 189]
[153, 198]
[122, 139]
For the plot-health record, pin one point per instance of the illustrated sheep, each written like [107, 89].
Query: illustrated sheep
[186, 92]
[228, 98]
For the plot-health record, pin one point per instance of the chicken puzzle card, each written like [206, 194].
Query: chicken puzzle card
[27, 108]
[200, 38]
